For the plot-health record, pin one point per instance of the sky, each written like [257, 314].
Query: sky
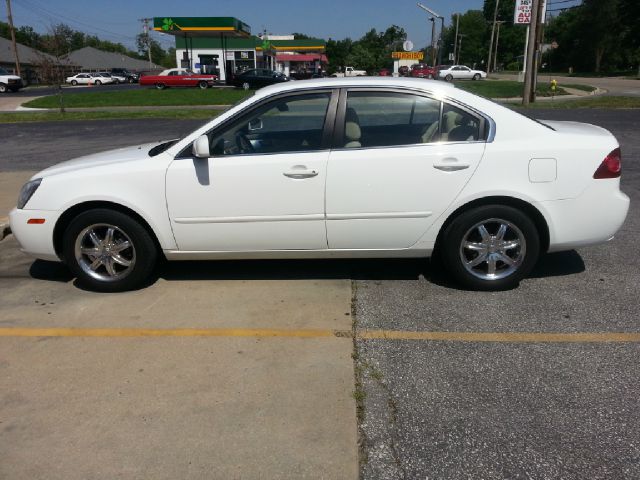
[117, 20]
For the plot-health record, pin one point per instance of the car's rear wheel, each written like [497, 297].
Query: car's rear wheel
[3, 88]
[160, 86]
[203, 85]
[448, 78]
[130, 80]
[246, 86]
[476, 76]
[429, 77]
[491, 247]
[109, 251]
[74, 82]
[98, 83]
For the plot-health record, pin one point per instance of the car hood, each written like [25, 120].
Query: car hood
[119, 155]
[11, 77]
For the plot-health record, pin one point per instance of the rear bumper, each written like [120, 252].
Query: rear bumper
[35, 239]
[590, 219]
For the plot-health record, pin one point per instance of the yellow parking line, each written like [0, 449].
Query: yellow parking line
[517, 337]
[156, 332]
[513, 337]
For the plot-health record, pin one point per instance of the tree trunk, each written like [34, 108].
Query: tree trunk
[599, 55]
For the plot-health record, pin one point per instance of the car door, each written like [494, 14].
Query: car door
[466, 73]
[264, 186]
[399, 160]
[83, 79]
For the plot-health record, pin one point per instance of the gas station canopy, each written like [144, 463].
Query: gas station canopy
[202, 26]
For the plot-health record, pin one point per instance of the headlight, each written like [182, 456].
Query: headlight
[27, 192]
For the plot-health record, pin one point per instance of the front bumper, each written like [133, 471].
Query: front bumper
[35, 239]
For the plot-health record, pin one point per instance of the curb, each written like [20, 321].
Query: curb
[5, 229]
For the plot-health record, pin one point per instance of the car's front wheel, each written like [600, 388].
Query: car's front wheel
[476, 76]
[98, 83]
[74, 82]
[3, 88]
[491, 247]
[246, 86]
[160, 86]
[203, 85]
[109, 251]
[448, 78]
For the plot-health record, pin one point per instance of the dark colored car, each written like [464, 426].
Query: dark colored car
[129, 77]
[421, 70]
[384, 72]
[404, 71]
[258, 77]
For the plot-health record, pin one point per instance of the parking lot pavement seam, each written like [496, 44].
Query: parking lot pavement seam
[503, 337]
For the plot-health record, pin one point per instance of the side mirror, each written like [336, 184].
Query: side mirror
[200, 148]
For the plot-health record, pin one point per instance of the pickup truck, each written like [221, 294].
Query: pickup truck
[9, 82]
[350, 72]
[178, 77]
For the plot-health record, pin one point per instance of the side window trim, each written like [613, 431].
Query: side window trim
[328, 127]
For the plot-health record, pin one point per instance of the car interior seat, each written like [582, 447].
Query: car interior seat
[450, 120]
[352, 131]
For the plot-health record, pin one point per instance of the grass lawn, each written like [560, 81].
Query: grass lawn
[143, 97]
[591, 102]
[77, 116]
[503, 88]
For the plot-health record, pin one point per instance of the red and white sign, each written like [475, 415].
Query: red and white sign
[522, 14]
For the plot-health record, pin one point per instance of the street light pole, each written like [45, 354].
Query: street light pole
[462, 35]
[495, 58]
[433, 37]
[435, 15]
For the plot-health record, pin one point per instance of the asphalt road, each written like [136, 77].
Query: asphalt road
[68, 89]
[461, 410]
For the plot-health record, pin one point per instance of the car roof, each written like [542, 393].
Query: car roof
[364, 81]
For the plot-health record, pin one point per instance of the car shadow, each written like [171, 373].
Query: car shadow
[549, 265]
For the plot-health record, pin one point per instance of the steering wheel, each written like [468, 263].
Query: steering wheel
[243, 143]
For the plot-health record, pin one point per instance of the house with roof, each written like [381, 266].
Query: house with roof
[32, 62]
[89, 59]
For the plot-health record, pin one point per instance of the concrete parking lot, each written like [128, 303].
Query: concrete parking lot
[245, 369]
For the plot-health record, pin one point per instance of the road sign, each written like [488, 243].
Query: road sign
[522, 13]
[407, 46]
[407, 55]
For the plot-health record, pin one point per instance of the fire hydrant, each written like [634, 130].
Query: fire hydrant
[554, 86]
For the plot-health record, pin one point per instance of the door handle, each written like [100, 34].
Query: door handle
[300, 171]
[451, 168]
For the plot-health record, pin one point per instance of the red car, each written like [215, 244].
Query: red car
[178, 77]
[420, 70]
[384, 72]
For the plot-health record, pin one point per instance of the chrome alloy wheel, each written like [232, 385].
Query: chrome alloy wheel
[105, 252]
[493, 249]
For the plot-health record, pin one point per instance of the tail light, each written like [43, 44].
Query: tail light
[611, 166]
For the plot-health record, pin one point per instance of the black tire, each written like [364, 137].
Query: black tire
[160, 86]
[142, 254]
[246, 86]
[448, 78]
[98, 83]
[203, 85]
[3, 88]
[520, 230]
[74, 82]
[130, 80]
[476, 76]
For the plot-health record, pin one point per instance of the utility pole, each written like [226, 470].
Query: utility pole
[455, 42]
[433, 40]
[462, 35]
[493, 30]
[13, 37]
[530, 72]
[495, 58]
[145, 27]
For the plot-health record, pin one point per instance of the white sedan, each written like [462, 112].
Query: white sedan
[89, 79]
[333, 168]
[460, 72]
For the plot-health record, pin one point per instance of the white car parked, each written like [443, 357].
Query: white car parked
[361, 167]
[89, 78]
[460, 72]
